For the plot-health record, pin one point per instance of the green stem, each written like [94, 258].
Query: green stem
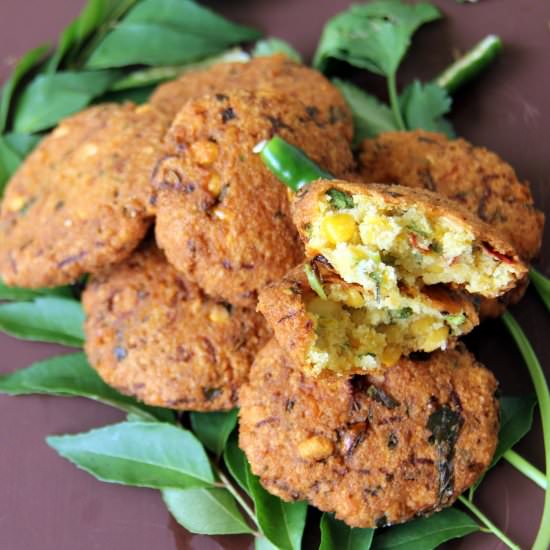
[229, 486]
[542, 542]
[526, 468]
[394, 102]
[488, 523]
[542, 285]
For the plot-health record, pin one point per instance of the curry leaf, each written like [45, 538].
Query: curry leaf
[373, 36]
[236, 462]
[271, 46]
[167, 32]
[18, 293]
[214, 428]
[9, 161]
[370, 116]
[24, 65]
[426, 533]
[71, 376]
[207, 511]
[50, 97]
[336, 535]
[46, 319]
[142, 454]
[423, 107]
[516, 418]
[281, 522]
[154, 75]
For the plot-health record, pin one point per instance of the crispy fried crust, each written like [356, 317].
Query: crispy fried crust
[323, 102]
[153, 334]
[374, 451]
[283, 304]
[81, 199]
[306, 209]
[223, 219]
[472, 176]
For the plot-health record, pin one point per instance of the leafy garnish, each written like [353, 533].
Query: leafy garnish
[142, 454]
[370, 116]
[50, 97]
[213, 429]
[427, 533]
[236, 462]
[281, 522]
[46, 319]
[543, 397]
[167, 32]
[271, 46]
[339, 199]
[206, 511]
[18, 293]
[71, 376]
[314, 282]
[423, 106]
[374, 36]
[24, 65]
[336, 535]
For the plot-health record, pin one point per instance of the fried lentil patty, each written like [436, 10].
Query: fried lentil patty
[472, 176]
[322, 101]
[153, 334]
[339, 334]
[375, 451]
[81, 200]
[393, 269]
[222, 218]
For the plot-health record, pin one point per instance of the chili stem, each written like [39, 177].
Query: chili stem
[394, 102]
[542, 541]
[488, 523]
[526, 468]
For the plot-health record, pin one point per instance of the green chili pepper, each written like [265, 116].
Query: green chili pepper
[289, 164]
[314, 282]
[470, 64]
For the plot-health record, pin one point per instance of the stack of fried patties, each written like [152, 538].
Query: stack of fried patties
[173, 322]
[365, 403]
[354, 389]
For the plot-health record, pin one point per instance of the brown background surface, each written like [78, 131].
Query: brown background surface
[47, 504]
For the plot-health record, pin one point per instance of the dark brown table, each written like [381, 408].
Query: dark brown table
[47, 504]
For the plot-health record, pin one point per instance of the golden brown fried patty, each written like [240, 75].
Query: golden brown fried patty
[81, 199]
[309, 204]
[471, 176]
[323, 103]
[222, 218]
[153, 334]
[284, 305]
[374, 451]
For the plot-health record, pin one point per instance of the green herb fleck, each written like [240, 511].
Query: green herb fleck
[314, 282]
[403, 313]
[339, 199]
[377, 278]
[455, 319]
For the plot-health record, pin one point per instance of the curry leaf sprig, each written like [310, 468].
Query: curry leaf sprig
[376, 36]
